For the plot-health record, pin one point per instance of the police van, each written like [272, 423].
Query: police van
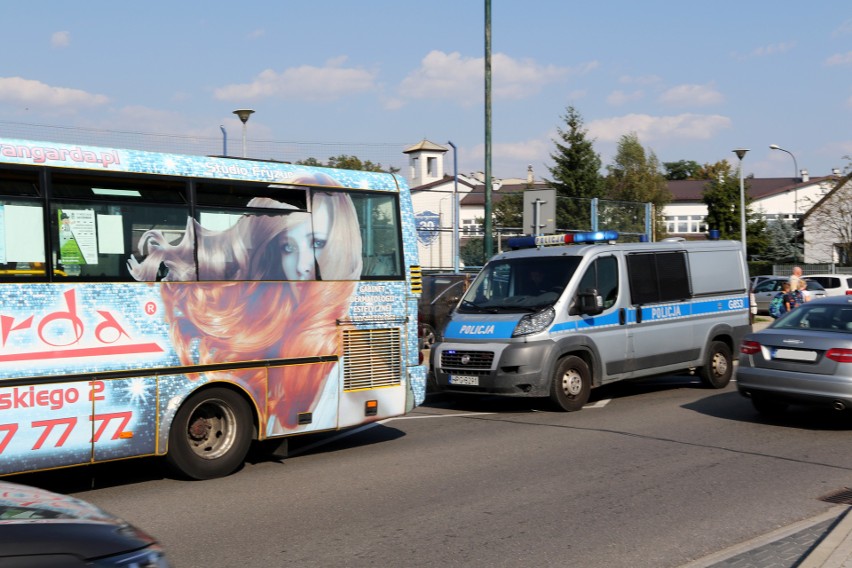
[557, 321]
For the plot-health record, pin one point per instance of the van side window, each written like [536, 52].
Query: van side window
[658, 277]
[602, 276]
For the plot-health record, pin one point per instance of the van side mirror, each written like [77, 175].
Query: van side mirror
[589, 302]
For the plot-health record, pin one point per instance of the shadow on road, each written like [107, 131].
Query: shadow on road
[731, 405]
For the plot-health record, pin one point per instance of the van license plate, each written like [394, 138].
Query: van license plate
[468, 380]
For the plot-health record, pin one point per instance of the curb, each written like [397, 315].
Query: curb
[835, 550]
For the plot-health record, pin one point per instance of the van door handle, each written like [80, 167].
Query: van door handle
[638, 314]
[622, 316]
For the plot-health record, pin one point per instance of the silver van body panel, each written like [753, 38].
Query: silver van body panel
[626, 340]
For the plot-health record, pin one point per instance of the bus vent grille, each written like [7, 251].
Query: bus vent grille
[373, 358]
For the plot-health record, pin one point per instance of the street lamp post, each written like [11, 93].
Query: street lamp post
[456, 248]
[244, 114]
[795, 179]
[741, 152]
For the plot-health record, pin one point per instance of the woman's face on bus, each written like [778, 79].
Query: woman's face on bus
[302, 243]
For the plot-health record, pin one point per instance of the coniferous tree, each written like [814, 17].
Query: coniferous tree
[576, 174]
[635, 176]
[722, 197]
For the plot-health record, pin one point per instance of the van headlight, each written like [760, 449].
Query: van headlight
[533, 323]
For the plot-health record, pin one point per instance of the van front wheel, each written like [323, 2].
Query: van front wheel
[571, 384]
[716, 372]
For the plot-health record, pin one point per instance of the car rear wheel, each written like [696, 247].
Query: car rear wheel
[571, 384]
[716, 372]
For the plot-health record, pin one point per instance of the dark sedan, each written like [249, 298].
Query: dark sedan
[48, 530]
[804, 357]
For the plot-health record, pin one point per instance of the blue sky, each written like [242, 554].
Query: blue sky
[692, 80]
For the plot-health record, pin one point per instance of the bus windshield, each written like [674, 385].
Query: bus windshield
[521, 284]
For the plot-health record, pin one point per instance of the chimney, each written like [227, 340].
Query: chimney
[805, 177]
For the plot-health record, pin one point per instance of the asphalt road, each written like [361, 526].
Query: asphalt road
[652, 474]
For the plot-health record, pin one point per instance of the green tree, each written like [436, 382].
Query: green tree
[345, 162]
[722, 197]
[509, 211]
[576, 174]
[781, 242]
[682, 169]
[472, 252]
[634, 176]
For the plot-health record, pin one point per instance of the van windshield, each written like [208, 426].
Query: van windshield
[519, 284]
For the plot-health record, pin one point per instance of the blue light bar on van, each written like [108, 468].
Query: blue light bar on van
[568, 238]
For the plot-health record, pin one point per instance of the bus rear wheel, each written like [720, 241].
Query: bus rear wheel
[571, 384]
[210, 435]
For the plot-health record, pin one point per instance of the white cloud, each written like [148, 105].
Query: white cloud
[692, 95]
[307, 82]
[60, 39]
[618, 98]
[35, 93]
[648, 128]
[512, 158]
[839, 59]
[640, 80]
[844, 28]
[772, 49]
[450, 76]
[257, 34]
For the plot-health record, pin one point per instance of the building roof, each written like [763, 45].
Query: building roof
[840, 183]
[756, 188]
[425, 145]
[477, 194]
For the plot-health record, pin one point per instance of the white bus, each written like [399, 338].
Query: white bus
[162, 304]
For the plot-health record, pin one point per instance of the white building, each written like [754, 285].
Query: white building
[828, 225]
[433, 190]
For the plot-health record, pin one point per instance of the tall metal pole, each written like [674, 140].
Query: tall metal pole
[741, 152]
[456, 250]
[224, 140]
[795, 193]
[795, 178]
[488, 245]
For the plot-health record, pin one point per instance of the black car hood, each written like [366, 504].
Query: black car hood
[34, 521]
[83, 539]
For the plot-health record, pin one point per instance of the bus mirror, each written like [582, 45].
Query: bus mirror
[590, 302]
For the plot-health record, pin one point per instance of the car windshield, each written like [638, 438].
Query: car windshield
[822, 317]
[519, 284]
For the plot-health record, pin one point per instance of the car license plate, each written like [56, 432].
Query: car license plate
[472, 381]
[794, 355]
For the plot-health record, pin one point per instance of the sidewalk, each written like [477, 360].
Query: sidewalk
[822, 542]
[835, 548]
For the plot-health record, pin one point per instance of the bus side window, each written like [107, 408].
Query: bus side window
[381, 236]
[22, 254]
[119, 229]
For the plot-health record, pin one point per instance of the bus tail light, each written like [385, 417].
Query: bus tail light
[371, 408]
